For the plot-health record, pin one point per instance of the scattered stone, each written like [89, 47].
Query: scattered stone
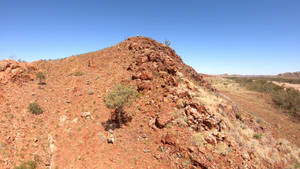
[169, 139]
[144, 86]
[90, 92]
[152, 123]
[192, 149]
[180, 103]
[163, 119]
[111, 131]
[245, 156]
[157, 156]
[179, 74]
[147, 151]
[35, 140]
[85, 114]
[75, 120]
[111, 139]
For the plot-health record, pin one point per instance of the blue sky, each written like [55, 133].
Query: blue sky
[213, 36]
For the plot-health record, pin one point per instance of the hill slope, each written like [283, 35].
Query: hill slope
[178, 121]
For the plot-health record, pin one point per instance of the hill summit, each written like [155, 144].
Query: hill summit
[178, 120]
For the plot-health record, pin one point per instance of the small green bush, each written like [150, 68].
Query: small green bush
[41, 77]
[27, 165]
[120, 97]
[35, 108]
[257, 136]
[117, 99]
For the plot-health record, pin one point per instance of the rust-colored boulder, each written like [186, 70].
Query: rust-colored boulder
[163, 119]
[141, 59]
[184, 94]
[211, 122]
[172, 70]
[199, 160]
[169, 139]
[145, 75]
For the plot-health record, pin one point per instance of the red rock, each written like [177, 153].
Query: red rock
[145, 75]
[200, 161]
[169, 139]
[172, 70]
[184, 94]
[163, 119]
[142, 59]
[210, 122]
[144, 86]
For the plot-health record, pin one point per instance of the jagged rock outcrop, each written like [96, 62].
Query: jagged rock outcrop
[17, 72]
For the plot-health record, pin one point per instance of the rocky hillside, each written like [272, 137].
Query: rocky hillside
[290, 75]
[178, 121]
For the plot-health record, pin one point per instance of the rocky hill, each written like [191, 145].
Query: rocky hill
[178, 121]
[290, 75]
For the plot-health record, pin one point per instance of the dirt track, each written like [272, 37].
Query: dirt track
[295, 86]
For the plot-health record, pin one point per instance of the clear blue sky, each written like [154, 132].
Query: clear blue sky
[213, 36]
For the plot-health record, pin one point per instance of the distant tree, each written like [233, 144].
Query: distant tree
[167, 43]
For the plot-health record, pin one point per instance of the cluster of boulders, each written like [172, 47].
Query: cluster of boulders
[158, 67]
[18, 72]
[155, 59]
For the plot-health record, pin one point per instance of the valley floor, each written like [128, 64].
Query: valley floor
[260, 106]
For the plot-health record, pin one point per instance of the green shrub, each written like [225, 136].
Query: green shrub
[120, 97]
[27, 165]
[257, 136]
[288, 100]
[41, 77]
[35, 108]
[117, 99]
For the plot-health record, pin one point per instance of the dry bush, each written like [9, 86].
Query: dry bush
[35, 108]
[27, 165]
[41, 77]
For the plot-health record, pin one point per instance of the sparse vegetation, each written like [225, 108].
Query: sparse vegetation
[180, 80]
[167, 43]
[41, 77]
[27, 165]
[288, 99]
[78, 73]
[35, 108]
[257, 135]
[120, 97]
